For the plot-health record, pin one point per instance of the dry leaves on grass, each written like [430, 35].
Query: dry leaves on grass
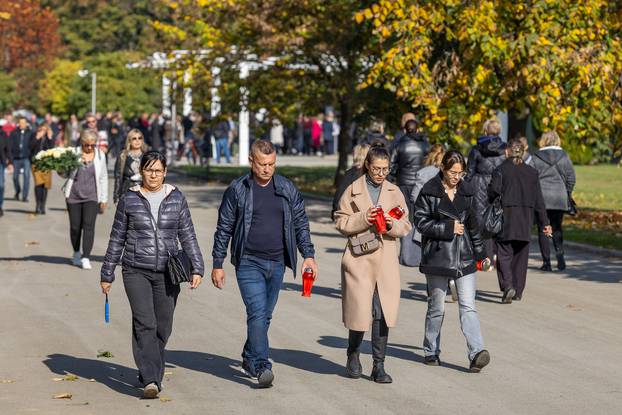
[104, 353]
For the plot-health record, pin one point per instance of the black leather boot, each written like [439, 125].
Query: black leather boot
[561, 262]
[44, 198]
[379, 340]
[546, 265]
[353, 365]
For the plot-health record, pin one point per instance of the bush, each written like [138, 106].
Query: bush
[578, 152]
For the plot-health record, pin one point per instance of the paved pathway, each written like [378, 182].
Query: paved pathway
[559, 351]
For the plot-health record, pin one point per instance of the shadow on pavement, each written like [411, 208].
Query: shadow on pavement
[393, 350]
[219, 366]
[307, 361]
[47, 259]
[317, 290]
[119, 378]
[581, 266]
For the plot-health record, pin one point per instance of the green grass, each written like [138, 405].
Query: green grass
[595, 237]
[312, 180]
[599, 187]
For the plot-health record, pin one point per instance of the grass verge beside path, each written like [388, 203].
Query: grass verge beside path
[313, 180]
[598, 193]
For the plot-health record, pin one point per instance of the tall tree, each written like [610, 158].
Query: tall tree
[318, 38]
[458, 62]
[29, 41]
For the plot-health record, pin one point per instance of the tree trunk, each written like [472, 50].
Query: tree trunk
[345, 140]
[517, 127]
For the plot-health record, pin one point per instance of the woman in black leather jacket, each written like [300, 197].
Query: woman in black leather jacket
[451, 244]
[148, 223]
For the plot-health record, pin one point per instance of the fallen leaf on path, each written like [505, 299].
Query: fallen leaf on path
[7, 381]
[31, 243]
[573, 307]
[168, 373]
[68, 378]
[31, 216]
[63, 396]
[104, 353]
[92, 380]
[165, 399]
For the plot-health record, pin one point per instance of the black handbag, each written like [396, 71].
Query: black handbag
[493, 219]
[179, 267]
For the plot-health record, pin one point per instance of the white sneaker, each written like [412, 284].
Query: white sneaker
[151, 391]
[86, 263]
[77, 259]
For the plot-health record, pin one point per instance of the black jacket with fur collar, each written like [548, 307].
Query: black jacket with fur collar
[442, 251]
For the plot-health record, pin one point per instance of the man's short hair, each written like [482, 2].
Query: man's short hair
[262, 147]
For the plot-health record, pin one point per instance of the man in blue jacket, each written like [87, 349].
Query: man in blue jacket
[264, 216]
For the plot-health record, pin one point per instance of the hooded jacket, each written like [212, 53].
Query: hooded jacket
[443, 252]
[484, 158]
[557, 176]
[136, 242]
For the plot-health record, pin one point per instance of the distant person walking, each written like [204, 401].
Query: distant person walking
[127, 172]
[44, 140]
[20, 144]
[517, 186]
[6, 163]
[557, 180]
[263, 215]
[484, 158]
[370, 280]
[150, 222]
[86, 192]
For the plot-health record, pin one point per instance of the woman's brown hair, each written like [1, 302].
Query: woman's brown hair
[376, 151]
[453, 157]
[435, 156]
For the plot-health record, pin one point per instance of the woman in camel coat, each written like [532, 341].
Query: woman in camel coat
[371, 281]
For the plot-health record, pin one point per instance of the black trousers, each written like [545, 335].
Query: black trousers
[556, 218]
[512, 259]
[82, 218]
[152, 299]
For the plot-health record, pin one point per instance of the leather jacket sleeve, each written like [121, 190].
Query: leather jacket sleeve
[188, 239]
[118, 175]
[471, 165]
[116, 243]
[301, 227]
[472, 226]
[226, 225]
[428, 225]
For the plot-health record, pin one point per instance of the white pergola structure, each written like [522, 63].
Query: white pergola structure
[160, 60]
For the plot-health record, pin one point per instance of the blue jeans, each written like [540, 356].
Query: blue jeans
[469, 321]
[19, 164]
[1, 184]
[259, 281]
[222, 144]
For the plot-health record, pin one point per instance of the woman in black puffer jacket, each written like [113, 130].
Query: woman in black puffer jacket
[148, 223]
[450, 246]
[483, 159]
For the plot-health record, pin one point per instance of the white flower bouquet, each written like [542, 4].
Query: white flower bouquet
[61, 159]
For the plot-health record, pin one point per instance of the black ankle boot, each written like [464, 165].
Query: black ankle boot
[546, 266]
[561, 262]
[378, 374]
[353, 365]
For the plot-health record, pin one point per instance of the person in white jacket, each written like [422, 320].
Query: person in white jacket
[86, 192]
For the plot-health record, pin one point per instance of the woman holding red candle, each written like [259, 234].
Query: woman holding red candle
[370, 275]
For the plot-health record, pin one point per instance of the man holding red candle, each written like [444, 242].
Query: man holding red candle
[263, 214]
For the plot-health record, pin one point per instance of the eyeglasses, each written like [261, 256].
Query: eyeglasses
[88, 145]
[136, 139]
[156, 173]
[458, 174]
[379, 170]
